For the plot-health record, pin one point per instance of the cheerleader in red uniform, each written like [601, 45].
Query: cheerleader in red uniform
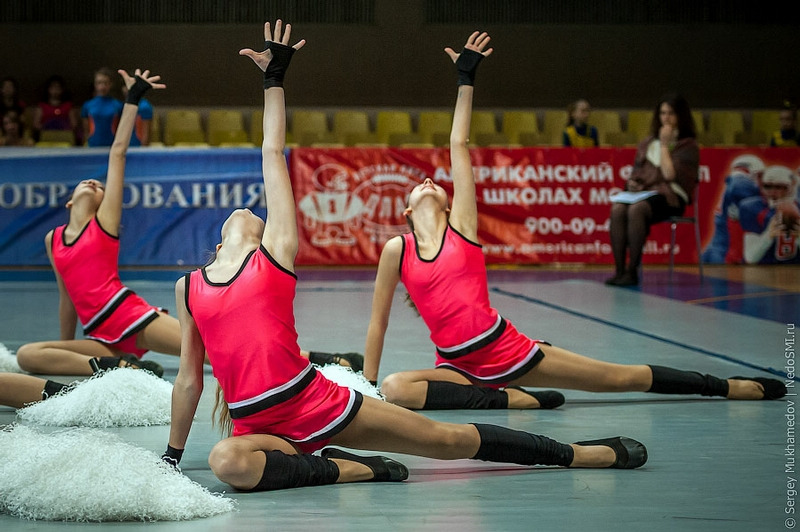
[240, 311]
[482, 361]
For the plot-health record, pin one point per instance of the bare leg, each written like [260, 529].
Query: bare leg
[410, 388]
[17, 390]
[62, 357]
[564, 369]
[381, 426]
[162, 335]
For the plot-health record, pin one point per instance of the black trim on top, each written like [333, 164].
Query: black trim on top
[274, 262]
[467, 240]
[109, 311]
[186, 292]
[115, 237]
[480, 344]
[402, 255]
[441, 246]
[229, 281]
[276, 399]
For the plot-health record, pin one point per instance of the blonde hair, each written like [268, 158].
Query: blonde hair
[220, 415]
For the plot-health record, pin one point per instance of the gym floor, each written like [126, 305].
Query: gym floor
[714, 464]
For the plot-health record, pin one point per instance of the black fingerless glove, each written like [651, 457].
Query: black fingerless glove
[136, 92]
[281, 55]
[467, 65]
[172, 456]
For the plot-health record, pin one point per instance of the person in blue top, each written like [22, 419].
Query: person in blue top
[578, 133]
[101, 114]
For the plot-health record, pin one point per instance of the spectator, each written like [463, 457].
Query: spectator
[9, 90]
[787, 135]
[101, 114]
[578, 133]
[663, 179]
[55, 111]
[13, 131]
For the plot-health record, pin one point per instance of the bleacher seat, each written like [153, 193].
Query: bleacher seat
[388, 123]
[226, 127]
[606, 122]
[555, 120]
[183, 126]
[434, 127]
[518, 122]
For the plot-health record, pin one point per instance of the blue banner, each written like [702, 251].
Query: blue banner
[174, 204]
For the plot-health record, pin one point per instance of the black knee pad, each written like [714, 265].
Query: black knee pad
[295, 470]
[499, 444]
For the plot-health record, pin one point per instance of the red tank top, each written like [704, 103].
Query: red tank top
[451, 293]
[93, 285]
[248, 329]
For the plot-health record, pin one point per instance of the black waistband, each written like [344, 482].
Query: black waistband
[483, 342]
[276, 399]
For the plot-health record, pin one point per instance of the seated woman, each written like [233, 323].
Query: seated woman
[665, 171]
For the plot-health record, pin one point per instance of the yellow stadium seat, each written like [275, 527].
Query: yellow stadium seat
[309, 127]
[530, 138]
[699, 122]
[710, 138]
[391, 122]
[434, 127]
[53, 144]
[226, 127]
[58, 136]
[155, 130]
[491, 139]
[752, 138]
[766, 121]
[606, 122]
[639, 122]
[727, 124]
[403, 139]
[622, 138]
[555, 120]
[482, 122]
[257, 127]
[517, 122]
[351, 123]
[183, 126]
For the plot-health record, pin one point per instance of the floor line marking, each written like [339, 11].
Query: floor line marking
[642, 333]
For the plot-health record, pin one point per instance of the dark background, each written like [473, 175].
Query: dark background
[388, 53]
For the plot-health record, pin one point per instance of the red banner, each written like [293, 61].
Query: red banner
[536, 205]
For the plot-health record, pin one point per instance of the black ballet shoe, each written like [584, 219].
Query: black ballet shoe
[773, 388]
[630, 453]
[548, 399]
[383, 469]
[99, 364]
[356, 360]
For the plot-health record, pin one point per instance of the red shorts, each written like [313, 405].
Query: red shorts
[506, 359]
[120, 329]
[309, 419]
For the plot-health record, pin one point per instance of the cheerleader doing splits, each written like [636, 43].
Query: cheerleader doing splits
[280, 408]
[478, 352]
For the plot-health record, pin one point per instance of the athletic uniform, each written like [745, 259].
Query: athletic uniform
[248, 329]
[103, 113]
[584, 136]
[109, 311]
[755, 215]
[452, 296]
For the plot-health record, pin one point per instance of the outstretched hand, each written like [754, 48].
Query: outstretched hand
[476, 42]
[130, 81]
[262, 59]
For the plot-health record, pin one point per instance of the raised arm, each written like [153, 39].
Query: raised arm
[280, 232]
[385, 283]
[464, 210]
[109, 213]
